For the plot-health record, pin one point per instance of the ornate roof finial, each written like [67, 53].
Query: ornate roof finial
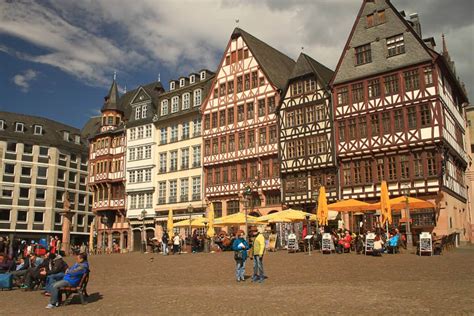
[445, 48]
[125, 89]
[237, 22]
[115, 75]
[302, 48]
[159, 77]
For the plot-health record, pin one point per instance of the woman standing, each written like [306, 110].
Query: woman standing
[240, 247]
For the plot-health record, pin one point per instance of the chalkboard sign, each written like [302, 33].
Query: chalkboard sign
[426, 244]
[369, 243]
[292, 243]
[326, 243]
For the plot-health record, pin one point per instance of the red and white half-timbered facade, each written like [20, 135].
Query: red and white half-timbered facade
[398, 117]
[240, 127]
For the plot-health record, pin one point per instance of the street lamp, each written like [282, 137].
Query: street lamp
[190, 212]
[247, 194]
[143, 217]
[308, 233]
[407, 214]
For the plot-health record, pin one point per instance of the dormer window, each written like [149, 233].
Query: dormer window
[164, 107]
[2, 125]
[38, 130]
[77, 139]
[174, 104]
[203, 75]
[181, 82]
[192, 79]
[172, 85]
[19, 127]
[66, 136]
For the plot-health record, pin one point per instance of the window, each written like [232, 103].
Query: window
[22, 216]
[24, 193]
[417, 165]
[27, 149]
[25, 171]
[223, 145]
[184, 194]
[162, 192]
[357, 92]
[230, 87]
[320, 113]
[196, 188]
[197, 127]
[250, 111]
[196, 156]
[11, 147]
[214, 120]
[203, 75]
[230, 116]
[7, 192]
[346, 170]
[297, 88]
[163, 162]
[398, 120]
[391, 84]
[174, 133]
[139, 176]
[197, 97]
[254, 79]
[412, 80]
[40, 194]
[343, 96]
[132, 176]
[148, 152]
[262, 136]
[386, 122]
[39, 217]
[241, 141]
[425, 115]
[133, 134]
[147, 175]
[192, 79]
[291, 152]
[273, 134]
[185, 158]
[247, 81]
[239, 84]
[271, 105]
[2, 125]
[404, 167]
[321, 144]
[231, 143]
[363, 127]
[38, 130]
[147, 131]
[392, 168]
[310, 85]
[163, 135]
[5, 215]
[77, 139]
[375, 125]
[137, 112]
[43, 151]
[207, 147]
[395, 45]
[139, 153]
[310, 114]
[300, 148]
[299, 117]
[352, 129]
[222, 118]
[9, 168]
[374, 88]
[368, 172]
[380, 169]
[370, 20]
[428, 74]
[251, 138]
[173, 191]
[174, 104]
[144, 111]
[431, 163]
[172, 85]
[342, 131]
[363, 54]
[140, 132]
[240, 113]
[19, 127]
[164, 107]
[174, 160]
[181, 82]
[186, 101]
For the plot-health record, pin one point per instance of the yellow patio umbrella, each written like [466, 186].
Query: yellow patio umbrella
[385, 208]
[195, 223]
[169, 224]
[322, 212]
[290, 215]
[401, 202]
[351, 205]
[237, 219]
[210, 221]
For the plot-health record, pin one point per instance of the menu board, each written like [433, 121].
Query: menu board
[292, 243]
[326, 243]
[369, 243]
[426, 244]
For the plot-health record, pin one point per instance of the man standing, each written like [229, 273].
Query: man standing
[258, 251]
[164, 243]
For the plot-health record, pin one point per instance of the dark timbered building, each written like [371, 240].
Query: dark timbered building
[307, 135]
[398, 109]
[240, 127]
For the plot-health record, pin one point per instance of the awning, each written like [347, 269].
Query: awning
[350, 205]
[401, 203]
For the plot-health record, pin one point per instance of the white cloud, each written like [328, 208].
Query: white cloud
[90, 39]
[23, 80]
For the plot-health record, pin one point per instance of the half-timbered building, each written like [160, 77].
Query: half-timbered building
[107, 174]
[307, 135]
[398, 115]
[240, 127]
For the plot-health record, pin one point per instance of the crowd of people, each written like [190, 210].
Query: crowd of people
[32, 266]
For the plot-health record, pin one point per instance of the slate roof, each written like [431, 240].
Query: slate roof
[91, 127]
[307, 65]
[276, 65]
[53, 132]
[111, 101]
[154, 90]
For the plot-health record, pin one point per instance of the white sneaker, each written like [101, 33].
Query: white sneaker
[50, 306]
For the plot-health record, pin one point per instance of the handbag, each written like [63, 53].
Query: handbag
[238, 255]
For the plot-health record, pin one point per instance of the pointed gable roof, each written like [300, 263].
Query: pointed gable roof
[112, 98]
[306, 65]
[276, 65]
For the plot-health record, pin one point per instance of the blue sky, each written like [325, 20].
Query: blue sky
[57, 58]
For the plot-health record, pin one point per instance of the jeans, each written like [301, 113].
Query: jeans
[240, 270]
[51, 279]
[258, 268]
[55, 291]
[164, 248]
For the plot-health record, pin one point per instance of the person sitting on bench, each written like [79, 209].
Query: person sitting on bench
[393, 243]
[378, 246]
[72, 278]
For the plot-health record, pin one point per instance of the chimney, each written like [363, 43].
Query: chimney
[415, 20]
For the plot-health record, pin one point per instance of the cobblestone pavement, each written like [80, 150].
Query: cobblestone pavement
[133, 284]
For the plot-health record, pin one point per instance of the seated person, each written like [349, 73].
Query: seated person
[30, 263]
[6, 263]
[72, 278]
[393, 243]
[378, 246]
[55, 273]
[437, 244]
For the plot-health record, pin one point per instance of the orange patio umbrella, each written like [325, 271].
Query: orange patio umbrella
[401, 203]
[322, 212]
[351, 205]
[385, 208]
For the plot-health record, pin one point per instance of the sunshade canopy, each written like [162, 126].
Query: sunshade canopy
[400, 203]
[195, 223]
[351, 205]
[236, 219]
[286, 216]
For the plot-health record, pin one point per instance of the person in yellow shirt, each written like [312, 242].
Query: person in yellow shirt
[258, 250]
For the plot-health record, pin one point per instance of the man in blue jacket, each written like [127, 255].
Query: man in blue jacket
[72, 278]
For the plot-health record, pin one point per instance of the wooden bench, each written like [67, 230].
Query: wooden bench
[81, 289]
